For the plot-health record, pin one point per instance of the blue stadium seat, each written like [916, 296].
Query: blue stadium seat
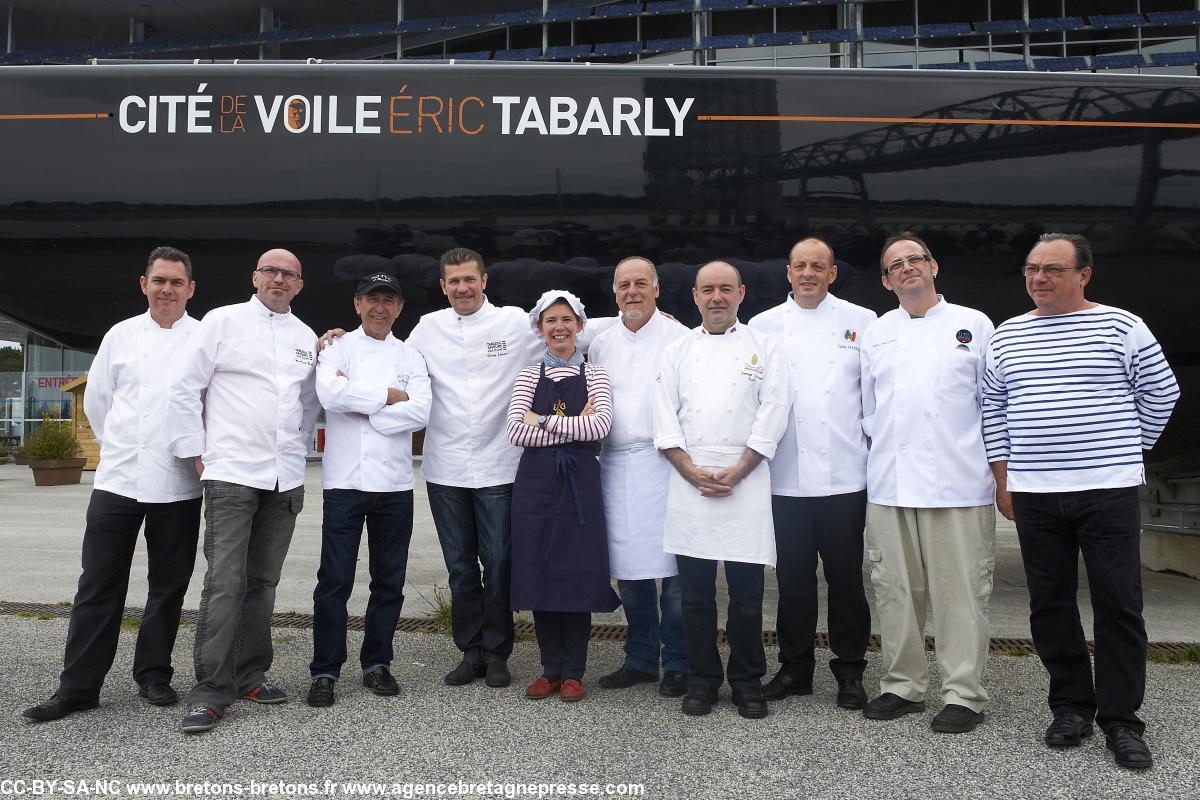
[618, 48]
[1117, 20]
[419, 25]
[778, 39]
[1001, 26]
[669, 7]
[1175, 59]
[887, 33]
[1067, 64]
[474, 55]
[786, 3]
[569, 51]
[836, 35]
[945, 29]
[619, 10]
[518, 54]
[1174, 17]
[1013, 65]
[725, 42]
[279, 36]
[722, 5]
[372, 28]
[948, 65]
[527, 17]
[325, 33]
[1056, 24]
[894, 66]
[468, 21]
[568, 14]
[1119, 61]
[669, 45]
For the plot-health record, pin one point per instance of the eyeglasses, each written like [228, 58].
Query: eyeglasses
[816, 266]
[1050, 271]
[915, 260]
[271, 273]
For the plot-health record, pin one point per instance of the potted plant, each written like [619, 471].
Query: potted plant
[52, 450]
[19, 456]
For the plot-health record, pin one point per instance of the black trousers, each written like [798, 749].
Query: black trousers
[1105, 525]
[113, 521]
[832, 528]
[743, 628]
[562, 638]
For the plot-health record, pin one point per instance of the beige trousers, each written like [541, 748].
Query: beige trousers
[938, 559]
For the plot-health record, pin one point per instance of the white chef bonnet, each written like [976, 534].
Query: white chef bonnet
[550, 298]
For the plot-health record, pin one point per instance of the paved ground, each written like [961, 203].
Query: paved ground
[432, 733]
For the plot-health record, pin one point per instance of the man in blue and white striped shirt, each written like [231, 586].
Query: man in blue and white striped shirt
[1074, 391]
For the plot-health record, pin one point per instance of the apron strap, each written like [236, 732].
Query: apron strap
[564, 462]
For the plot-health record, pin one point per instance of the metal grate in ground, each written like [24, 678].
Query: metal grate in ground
[524, 628]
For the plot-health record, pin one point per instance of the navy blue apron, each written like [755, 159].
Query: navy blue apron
[559, 540]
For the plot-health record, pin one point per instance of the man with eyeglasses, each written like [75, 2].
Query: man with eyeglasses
[1073, 393]
[819, 478]
[137, 483]
[245, 407]
[931, 527]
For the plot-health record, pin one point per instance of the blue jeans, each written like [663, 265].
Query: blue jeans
[642, 603]
[474, 528]
[388, 517]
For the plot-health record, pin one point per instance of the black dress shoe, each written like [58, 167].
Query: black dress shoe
[784, 684]
[674, 684]
[497, 675]
[699, 701]
[891, 706]
[750, 702]
[1129, 750]
[851, 694]
[954, 718]
[1067, 730]
[625, 677]
[158, 694]
[464, 673]
[320, 693]
[381, 682]
[57, 708]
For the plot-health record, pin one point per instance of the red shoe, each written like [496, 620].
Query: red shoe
[572, 690]
[542, 687]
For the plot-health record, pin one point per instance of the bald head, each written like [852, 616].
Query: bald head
[718, 293]
[277, 279]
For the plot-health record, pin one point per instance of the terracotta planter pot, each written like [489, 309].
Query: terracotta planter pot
[57, 471]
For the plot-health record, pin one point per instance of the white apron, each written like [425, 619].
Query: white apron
[733, 528]
[635, 506]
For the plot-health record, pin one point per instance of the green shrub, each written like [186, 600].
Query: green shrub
[53, 439]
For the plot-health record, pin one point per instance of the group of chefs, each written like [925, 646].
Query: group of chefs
[808, 434]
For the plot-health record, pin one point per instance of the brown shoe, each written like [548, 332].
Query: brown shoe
[542, 687]
[571, 691]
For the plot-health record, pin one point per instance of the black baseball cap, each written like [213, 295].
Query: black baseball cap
[378, 280]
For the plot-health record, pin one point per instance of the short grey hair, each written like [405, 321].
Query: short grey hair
[653, 270]
[1083, 247]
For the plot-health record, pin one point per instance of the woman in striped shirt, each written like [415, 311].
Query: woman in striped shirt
[559, 412]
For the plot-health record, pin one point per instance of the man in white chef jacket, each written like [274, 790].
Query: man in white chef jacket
[245, 408]
[137, 481]
[931, 526]
[720, 408]
[634, 475]
[375, 391]
[819, 478]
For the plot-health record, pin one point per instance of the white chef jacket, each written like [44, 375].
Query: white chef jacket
[716, 396]
[245, 397]
[823, 451]
[126, 401]
[921, 383]
[473, 362]
[368, 444]
[634, 474]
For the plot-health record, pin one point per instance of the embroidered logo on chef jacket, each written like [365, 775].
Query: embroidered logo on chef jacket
[850, 335]
[963, 336]
[497, 348]
[402, 380]
[753, 370]
[304, 356]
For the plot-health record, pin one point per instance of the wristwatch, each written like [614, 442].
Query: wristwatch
[542, 421]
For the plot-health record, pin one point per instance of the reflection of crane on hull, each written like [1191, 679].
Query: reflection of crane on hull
[921, 145]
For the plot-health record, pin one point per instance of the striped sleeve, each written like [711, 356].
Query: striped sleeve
[519, 433]
[994, 402]
[1155, 389]
[560, 430]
